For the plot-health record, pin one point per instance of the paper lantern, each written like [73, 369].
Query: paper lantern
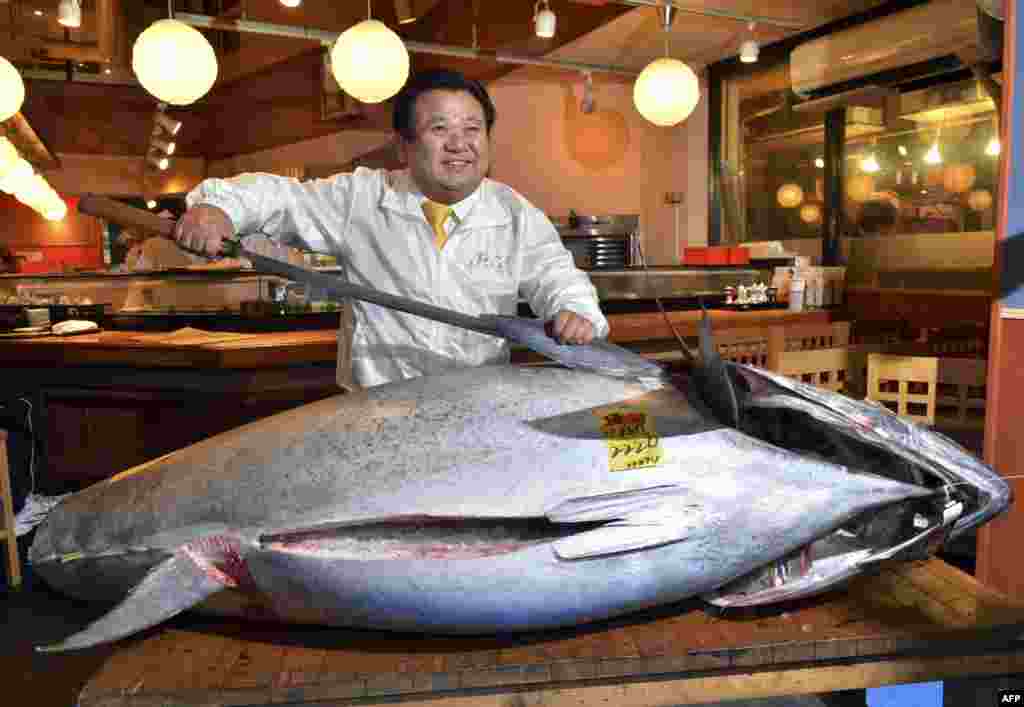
[370, 62]
[810, 213]
[174, 62]
[979, 200]
[666, 92]
[12, 90]
[790, 195]
[959, 178]
[860, 187]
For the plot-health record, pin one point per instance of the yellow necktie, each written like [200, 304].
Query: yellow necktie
[436, 215]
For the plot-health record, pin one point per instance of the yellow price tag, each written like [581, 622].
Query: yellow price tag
[632, 441]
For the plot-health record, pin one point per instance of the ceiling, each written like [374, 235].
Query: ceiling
[269, 88]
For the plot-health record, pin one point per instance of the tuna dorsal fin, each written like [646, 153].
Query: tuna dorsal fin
[637, 519]
[176, 584]
[713, 379]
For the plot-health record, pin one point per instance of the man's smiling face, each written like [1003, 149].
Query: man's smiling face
[451, 153]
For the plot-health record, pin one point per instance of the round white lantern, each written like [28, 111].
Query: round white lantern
[174, 62]
[790, 195]
[370, 62]
[666, 92]
[12, 90]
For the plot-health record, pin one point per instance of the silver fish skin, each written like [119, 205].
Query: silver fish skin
[481, 500]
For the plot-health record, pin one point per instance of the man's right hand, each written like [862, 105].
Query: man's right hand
[203, 229]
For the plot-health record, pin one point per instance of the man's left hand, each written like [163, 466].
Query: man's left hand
[570, 328]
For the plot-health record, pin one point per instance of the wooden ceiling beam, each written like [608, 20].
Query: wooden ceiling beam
[28, 143]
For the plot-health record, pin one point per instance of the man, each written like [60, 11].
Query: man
[488, 247]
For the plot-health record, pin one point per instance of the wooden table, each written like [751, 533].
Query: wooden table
[184, 348]
[911, 623]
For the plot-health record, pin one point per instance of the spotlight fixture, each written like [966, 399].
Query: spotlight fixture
[819, 162]
[902, 150]
[169, 125]
[166, 147]
[749, 49]
[544, 21]
[161, 162]
[933, 156]
[291, 3]
[150, 203]
[404, 12]
[69, 13]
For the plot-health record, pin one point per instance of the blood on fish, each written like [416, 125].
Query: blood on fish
[220, 557]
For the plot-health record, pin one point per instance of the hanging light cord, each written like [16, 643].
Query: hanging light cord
[369, 9]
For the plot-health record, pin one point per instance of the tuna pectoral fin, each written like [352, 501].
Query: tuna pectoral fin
[173, 586]
[637, 519]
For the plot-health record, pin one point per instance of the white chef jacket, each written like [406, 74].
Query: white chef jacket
[500, 247]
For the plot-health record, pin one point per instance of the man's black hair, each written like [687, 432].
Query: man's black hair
[404, 115]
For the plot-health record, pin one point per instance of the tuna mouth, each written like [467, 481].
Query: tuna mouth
[423, 538]
[906, 531]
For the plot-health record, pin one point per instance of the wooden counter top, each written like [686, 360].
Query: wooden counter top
[195, 348]
[913, 622]
[190, 348]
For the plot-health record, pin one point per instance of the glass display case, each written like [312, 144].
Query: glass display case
[214, 299]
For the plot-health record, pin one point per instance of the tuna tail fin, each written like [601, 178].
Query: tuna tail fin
[176, 584]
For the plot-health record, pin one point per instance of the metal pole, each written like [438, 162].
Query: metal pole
[712, 12]
[325, 37]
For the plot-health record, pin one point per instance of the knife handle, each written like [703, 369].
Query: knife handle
[125, 215]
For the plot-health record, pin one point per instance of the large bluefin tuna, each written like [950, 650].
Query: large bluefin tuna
[514, 498]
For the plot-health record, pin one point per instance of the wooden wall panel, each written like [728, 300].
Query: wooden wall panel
[21, 226]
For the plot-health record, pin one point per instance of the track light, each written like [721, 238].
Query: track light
[404, 12]
[544, 20]
[69, 13]
[749, 48]
[169, 125]
[164, 146]
[161, 162]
